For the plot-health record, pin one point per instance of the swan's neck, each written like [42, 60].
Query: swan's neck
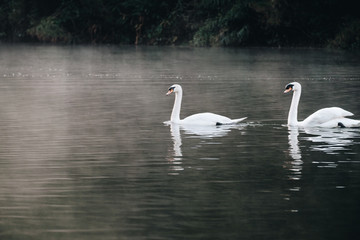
[293, 113]
[175, 114]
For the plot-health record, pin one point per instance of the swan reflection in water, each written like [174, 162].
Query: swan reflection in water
[331, 140]
[295, 154]
[193, 131]
[327, 140]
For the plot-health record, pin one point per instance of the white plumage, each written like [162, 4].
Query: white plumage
[199, 118]
[325, 117]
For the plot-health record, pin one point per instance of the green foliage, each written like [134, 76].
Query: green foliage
[198, 23]
[3, 20]
[348, 37]
[49, 30]
[207, 34]
[229, 28]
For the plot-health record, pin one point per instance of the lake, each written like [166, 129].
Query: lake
[85, 153]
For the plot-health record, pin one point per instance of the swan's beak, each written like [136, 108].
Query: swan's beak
[289, 87]
[287, 90]
[170, 91]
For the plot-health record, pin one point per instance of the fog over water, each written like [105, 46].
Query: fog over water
[85, 153]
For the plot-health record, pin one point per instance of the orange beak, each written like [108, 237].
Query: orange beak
[287, 90]
[170, 91]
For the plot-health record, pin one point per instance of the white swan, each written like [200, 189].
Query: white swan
[199, 118]
[325, 117]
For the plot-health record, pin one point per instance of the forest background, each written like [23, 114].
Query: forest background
[235, 23]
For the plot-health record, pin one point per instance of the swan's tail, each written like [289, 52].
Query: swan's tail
[238, 120]
[233, 121]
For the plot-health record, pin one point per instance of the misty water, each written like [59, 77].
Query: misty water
[85, 153]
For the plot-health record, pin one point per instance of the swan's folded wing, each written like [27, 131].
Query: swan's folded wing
[206, 119]
[341, 122]
[324, 115]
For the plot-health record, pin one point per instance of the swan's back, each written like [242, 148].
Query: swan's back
[325, 115]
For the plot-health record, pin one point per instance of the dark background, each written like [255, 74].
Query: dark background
[274, 23]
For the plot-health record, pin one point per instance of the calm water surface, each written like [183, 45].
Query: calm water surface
[84, 152]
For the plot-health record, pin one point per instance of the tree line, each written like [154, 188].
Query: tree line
[238, 23]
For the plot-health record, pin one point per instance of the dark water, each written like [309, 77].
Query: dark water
[84, 153]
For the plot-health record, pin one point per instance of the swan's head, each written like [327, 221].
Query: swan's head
[174, 89]
[294, 86]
